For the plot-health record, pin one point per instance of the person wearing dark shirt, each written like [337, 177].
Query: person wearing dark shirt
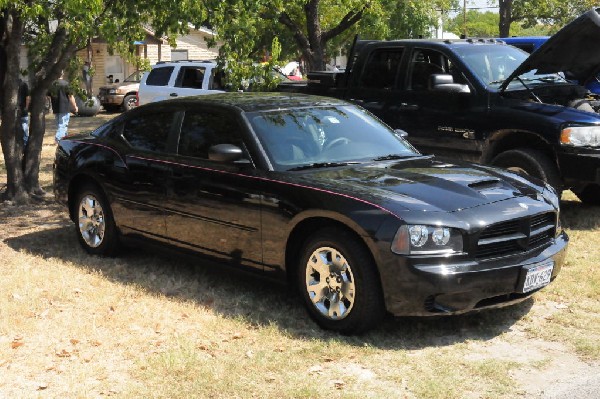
[63, 102]
[23, 103]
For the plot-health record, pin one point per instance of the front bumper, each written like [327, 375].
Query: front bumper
[418, 287]
[580, 167]
[111, 99]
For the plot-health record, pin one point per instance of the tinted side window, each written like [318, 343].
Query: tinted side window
[202, 129]
[426, 62]
[381, 69]
[190, 77]
[159, 76]
[149, 132]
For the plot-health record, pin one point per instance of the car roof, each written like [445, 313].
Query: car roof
[255, 102]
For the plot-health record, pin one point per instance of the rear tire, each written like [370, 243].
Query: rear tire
[530, 162]
[589, 195]
[95, 226]
[339, 283]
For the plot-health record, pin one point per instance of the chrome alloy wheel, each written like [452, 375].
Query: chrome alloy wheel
[330, 283]
[91, 221]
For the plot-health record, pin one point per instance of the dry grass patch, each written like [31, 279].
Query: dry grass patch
[153, 325]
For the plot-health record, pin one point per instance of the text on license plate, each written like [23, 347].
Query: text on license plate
[538, 276]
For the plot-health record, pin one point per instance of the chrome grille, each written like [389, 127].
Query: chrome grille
[516, 236]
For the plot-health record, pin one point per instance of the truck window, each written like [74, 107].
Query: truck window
[424, 63]
[381, 69]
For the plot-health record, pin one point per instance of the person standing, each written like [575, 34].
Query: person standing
[23, 103]
[63, 103]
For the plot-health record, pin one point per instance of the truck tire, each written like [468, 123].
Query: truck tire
[129, 102]
[589, 195]
[530, 162]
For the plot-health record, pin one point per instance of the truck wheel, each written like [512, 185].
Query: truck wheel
[339, 283]
[589, 195]
[129, 102]
[530, 162]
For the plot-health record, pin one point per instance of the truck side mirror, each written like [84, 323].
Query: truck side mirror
[445, 83]
[225, 153]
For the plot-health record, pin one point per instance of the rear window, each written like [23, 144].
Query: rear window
[149, 132]
[159, 76]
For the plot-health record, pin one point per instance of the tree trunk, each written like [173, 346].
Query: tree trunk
[11, 133]
[33, 152]
[313, 29]
[505, 10]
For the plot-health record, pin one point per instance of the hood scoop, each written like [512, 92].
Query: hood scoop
[487, 184]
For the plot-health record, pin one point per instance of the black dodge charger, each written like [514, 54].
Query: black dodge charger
[317, 192]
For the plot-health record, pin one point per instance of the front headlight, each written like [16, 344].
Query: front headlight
[550, 196]
[112, 91]
[581, 136]
[427, 240]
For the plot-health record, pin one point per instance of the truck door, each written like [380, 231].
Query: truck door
[437, 121]
[376, 86]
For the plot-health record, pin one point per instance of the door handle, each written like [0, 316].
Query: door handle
[173, 94]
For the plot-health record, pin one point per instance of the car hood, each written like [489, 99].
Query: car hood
[423, 184]
[124, 86]
[575, 50]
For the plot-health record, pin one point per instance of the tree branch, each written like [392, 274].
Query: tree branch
[299, 36]
[349, 19]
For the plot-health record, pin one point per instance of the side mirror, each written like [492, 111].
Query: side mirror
[225, 153]
[445, 83]
[401, 133]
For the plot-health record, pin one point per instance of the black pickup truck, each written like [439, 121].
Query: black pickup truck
[486, 101]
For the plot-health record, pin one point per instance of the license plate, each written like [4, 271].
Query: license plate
[537, 276]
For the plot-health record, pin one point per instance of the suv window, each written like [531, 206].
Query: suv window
[190, 77]
[159, 76]
[149, 132]
[201, 129]
[381, 69]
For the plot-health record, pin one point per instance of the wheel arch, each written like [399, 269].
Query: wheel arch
[505, 140]
[312, 223]
[75, 185]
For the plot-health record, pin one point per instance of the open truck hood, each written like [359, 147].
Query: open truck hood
[574, 50]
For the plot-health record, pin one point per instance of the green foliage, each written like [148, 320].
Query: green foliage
[478, 24]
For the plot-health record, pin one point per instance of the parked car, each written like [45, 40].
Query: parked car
[318, 192]
[121, 96]
[179, 79]
[485, 101]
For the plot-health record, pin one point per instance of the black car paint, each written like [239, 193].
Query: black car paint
[257, 216]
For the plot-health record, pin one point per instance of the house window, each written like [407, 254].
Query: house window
[178, 55]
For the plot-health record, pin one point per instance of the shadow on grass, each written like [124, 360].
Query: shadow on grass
[257, 301]
[578, 216]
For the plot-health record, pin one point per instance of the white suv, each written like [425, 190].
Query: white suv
[179, 79]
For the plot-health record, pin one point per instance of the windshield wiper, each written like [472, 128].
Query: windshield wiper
[391, 157]
[318, 165]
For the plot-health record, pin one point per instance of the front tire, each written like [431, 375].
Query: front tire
[95, 225]
[129, 102]
[339, 282]
[530, 162]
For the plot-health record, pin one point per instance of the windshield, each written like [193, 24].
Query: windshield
[135, 77]
[492, 64]
[326, 136]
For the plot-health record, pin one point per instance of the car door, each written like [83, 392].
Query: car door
[214, 207]
[141, 195]
[192, 80]
[157, 84]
